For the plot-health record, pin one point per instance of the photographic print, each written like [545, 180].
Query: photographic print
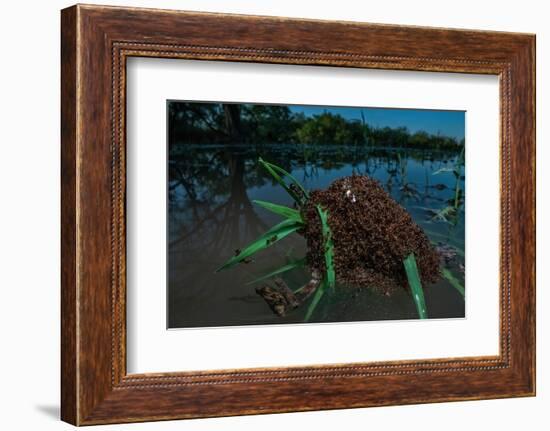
[285, 214]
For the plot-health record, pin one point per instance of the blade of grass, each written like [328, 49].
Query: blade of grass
[281, 182]
[416, 286]
[287, 174]
[274, 171]
[273, 235]
[315, 301]
[444, 213]
[328, 246]
[453, 280]
[281, 210]
[442, 170]
[300, 288]
[285, 268]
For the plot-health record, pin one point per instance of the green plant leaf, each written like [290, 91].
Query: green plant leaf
[416, 286]
[281, 210]
[328, 247]
[287, 174]
[315, 301]
[277, 177]
[269, 238]
[285, 268]
[453, 280]
[276, 172]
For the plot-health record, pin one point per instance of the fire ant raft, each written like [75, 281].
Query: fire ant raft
[357, 235]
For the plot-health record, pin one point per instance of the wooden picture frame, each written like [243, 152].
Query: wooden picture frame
[95, 43]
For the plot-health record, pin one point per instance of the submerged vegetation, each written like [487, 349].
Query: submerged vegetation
[356, 235]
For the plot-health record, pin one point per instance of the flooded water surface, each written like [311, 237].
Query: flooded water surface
[211, 214]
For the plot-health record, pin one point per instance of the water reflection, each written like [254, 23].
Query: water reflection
[211, 214]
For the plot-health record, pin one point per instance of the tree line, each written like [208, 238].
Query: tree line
[217, 123]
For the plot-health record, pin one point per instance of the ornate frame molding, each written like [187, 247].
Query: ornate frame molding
[96, 41]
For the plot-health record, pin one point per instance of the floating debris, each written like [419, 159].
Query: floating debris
[446, 252]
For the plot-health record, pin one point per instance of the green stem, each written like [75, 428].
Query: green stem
[416, 286]
[453, 280]
[315, 301]
[328, 247]
[285, 268]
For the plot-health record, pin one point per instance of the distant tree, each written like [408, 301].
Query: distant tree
[269, 124]
[329, 128]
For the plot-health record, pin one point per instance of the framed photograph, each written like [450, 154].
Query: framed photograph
[264, 215]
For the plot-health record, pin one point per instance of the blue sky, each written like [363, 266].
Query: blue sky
[448, 123]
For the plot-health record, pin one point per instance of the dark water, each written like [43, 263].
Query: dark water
[211, 214]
